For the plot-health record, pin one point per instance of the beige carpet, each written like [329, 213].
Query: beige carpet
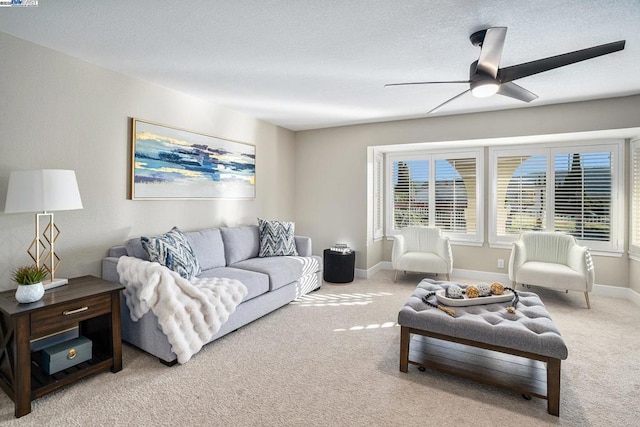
[331, 359]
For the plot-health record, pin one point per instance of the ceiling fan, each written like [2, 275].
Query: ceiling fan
[487, 79]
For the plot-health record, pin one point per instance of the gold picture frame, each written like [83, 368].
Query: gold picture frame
[173, 163]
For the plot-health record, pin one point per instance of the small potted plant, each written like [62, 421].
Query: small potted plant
[29, 279]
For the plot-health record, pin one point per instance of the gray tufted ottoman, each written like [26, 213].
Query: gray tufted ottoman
[472, 344]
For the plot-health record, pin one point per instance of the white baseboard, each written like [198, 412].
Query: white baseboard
[488, 276]
[365, 274]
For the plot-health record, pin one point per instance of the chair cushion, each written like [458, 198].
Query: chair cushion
[550, 274]
[421, 239]
[547, 246]
[424, 262]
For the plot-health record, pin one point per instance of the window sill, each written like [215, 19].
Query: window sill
[612, 254]
[594, 252]
[465, 243]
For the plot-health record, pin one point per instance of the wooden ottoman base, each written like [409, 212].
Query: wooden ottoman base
[503, 367]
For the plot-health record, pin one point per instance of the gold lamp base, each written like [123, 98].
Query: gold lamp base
[42, 250]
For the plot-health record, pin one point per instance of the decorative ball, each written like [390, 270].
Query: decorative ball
[485, 289]
[454, 291]
[511, 309]
[497, 288]
[473, 291]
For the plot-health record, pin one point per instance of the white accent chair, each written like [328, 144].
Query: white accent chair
[421, 250]
[551, 260]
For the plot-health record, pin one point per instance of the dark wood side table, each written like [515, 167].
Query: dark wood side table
[89, 303]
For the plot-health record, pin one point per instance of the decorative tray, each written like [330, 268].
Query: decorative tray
[464, 302]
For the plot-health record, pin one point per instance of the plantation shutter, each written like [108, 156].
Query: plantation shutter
[521, 193]
[410, 193]
[455, 195]
[635, 197]
[582, 195]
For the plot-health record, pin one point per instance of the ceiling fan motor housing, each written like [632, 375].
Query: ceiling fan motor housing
[478, 37]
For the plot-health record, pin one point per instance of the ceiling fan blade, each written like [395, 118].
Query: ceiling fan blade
[512, 90]
[491, 51]
[519, 71]
[448, 101]
[426, 83]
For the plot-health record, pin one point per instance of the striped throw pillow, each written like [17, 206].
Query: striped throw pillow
[172, 250]
[276, 238]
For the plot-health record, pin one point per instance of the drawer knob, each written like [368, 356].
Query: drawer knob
[77, 310]
[71, 354]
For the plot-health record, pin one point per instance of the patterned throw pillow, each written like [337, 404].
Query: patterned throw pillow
[276, 238]
[172, 250]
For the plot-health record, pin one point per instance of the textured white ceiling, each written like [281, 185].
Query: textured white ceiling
[306, 64]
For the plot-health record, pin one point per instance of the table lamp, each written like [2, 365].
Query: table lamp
[44, 191]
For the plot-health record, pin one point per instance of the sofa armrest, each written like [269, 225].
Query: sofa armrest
[110, 269]
[303, 245]
[398, 250]
[516, 259]
[579, 259]
[444, 250]
[118, 251]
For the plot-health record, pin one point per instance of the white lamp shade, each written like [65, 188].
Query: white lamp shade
[42, 190]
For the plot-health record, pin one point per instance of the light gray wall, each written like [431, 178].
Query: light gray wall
[331, 165]
[59, 112]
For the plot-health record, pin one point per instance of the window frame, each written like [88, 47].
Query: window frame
[634, 200]
[613, 247]
[378, 195]
[476, 239]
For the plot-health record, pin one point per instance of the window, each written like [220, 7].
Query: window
[634, 246]
[436, 189]
[572, 188]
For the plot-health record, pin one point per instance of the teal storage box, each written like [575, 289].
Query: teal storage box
[66, 354]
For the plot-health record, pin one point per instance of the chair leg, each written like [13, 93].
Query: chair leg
[448, 277]
[586, 296]
[395, 277]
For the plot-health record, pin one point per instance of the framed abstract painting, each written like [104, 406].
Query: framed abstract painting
[173, 163]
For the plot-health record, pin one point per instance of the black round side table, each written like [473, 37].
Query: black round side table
[339, 267]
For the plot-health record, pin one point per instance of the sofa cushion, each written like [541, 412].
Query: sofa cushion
[281, 270]
[172, 250]
[276, 238]
[135, 249]
[208, 247]
[240, 243]
[256, 283]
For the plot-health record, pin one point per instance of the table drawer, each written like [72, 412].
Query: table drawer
[50, 320]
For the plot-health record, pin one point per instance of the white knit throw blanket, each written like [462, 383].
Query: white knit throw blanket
[189, 312]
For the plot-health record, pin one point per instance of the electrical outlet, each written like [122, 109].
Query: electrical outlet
[500, 263]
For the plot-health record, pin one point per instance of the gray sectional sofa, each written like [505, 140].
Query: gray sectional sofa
[230, 252]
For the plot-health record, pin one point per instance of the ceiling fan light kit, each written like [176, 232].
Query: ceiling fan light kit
[484, 88]
[486, 78]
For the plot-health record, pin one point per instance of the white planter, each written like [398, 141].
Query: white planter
[29, 293]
